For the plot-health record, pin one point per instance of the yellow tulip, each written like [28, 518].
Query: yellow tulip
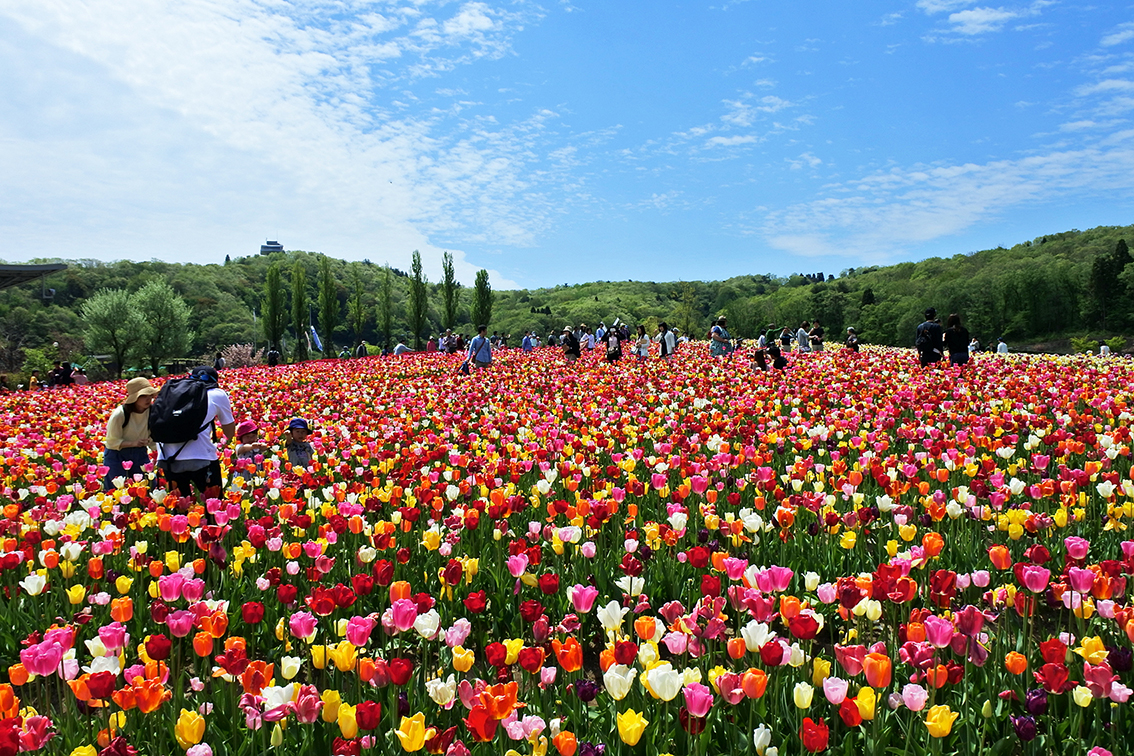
[277, 736]
[939, 721]
[514, 647]
[463, 659]
[67, 569]
[190, 728]
[87, 750]
[76, 594]
[411, 732]
[866, 700]
[821, 670]
[319, 657]
[1093, 650]
[1082, 696]
[348, 725]
[173, 560]
[848, 540]
[331, 702]
[123, 584]
[631, 725]
[344, 656]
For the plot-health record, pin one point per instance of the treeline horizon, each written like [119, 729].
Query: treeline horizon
[1039, 292]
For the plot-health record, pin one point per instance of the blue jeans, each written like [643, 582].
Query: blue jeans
[113, 458]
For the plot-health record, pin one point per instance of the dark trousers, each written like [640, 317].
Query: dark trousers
[207, 480]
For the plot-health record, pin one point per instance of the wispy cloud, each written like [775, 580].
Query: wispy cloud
[1122, 33]
[882, 216]
[970, 22]
[305, 113]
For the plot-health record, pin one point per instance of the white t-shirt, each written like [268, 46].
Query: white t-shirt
[203, 447]
[1104, 350]
[401, 349]
[1002, 348]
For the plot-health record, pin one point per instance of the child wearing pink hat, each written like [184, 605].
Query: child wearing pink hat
[248, 446]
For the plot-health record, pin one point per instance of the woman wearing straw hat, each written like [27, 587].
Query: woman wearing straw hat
[128, 441]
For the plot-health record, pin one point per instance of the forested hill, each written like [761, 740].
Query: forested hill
[1038, 292]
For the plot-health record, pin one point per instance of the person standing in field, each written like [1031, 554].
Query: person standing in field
[720, 344]
[127, 441]
[956, 340]
[815, 337]
[666, 340]
[852, 340]
[1001, 347]
[930, 339]
[480, 349]
[803, 337]
[570, 341]
[643, 344]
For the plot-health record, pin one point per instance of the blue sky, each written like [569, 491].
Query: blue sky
[561, 141]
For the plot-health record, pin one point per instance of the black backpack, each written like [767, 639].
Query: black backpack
[179, 410]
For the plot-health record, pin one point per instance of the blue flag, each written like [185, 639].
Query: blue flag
[315, 339]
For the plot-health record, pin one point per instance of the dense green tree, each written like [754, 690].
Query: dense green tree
[300, 313]
[328, 304]
[112, 325]
[450, 292]
[273, 309]
[357, 310]
[418, 299]
[165, 321]
[386, 308]
[483, 299]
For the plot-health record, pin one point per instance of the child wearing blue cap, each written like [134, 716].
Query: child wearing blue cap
[299, 452]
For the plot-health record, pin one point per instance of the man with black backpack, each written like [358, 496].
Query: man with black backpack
[930, 339]
[182, 420]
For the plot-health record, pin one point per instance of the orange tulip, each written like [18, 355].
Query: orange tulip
[878, 669]
[17, 675]
[122, 609]
[736, 648]
[569, 654]
[9, 702]
[1016, 663]
[500, 700]
[399, 589]
[566, 743]
[754, 682]
[645, 627]
[150, 695]
[256, 676]
[790, 607]
[932, 543]
[125, 698]
[606, 659]
[203, 644]
[937, 676]
[1000, 557]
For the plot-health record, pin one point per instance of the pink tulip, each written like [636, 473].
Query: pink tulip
[404, 613]
[1099, 679]
[302, 625]
[42, 659]
[827, 593]
[677, 643]
[358, 630]
[981, 578]
[938, 632]
[735, 568]
[658, 481]
[113, 636]
[169, 586]
[729, 684]
[456, 635]
[1035, 578]
[517, 564]
[582, 597]
[969, 621]
[180, 623]
[547, 677]
[914, 697]
[308, 705]
[1081, 580]
[835, 690]
[193, 590]
[588, 550]
[698, 699]
[850, 658]
[1076, 547]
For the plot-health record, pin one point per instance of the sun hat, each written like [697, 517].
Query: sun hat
[246, 427]
[137, 387]
[567, 329]
[298, 424]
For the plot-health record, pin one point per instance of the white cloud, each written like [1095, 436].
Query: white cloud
[732, 141]
[1107, 86]
[806, 159]
[1122, 33]
[981, 20]
[942, 6]
[218, 124]
[881, 216]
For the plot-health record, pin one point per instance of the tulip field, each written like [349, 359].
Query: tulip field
[854, 555]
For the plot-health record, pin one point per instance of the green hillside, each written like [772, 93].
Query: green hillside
[1038, 294]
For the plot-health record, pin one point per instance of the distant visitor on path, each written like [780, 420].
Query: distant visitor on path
[803, 337]
[127, 439]
[956, 340]
[851, 342]
[480, 349]
[929, 339]
[666, 340]
[815, 336]
[571, 349]
[720, 344]
[1001, 347]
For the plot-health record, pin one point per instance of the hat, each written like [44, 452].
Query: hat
[850, 329]
[931, 313]
[298, 424]
[246, 427]
[137, 387]
[567, 329]
[205, 373]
